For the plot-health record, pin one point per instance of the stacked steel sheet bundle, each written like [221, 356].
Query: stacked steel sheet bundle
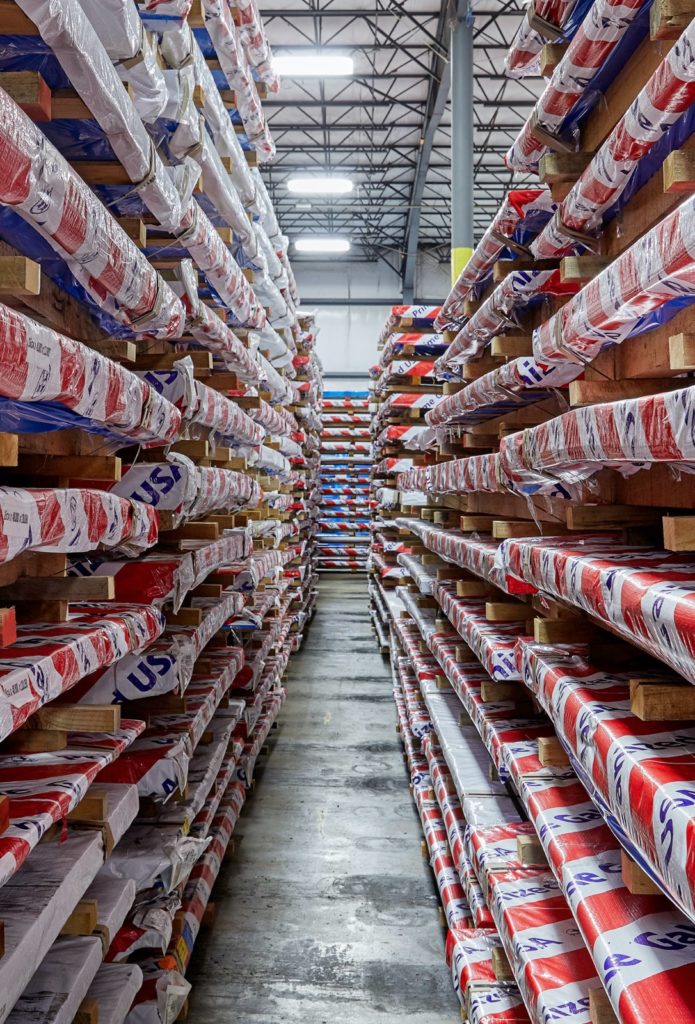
[159, 410]
[540, 623]
[343, 526]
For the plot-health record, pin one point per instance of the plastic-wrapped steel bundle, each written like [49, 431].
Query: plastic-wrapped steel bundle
[42, 187]
[669, 93]
[475, 553]
[523, 381]
[498, 1003]
[639, 944]
[72, 520]
[620, 758]
[224, 418]
[452, 895]
[49, 380]
[48, 659]
[519, 289]
[44, 787]
[507, 229]
[400, 344]
[545, 20]
[492, 642]
[599, 35]
[643, 287]
[410, 318]
[468, 956]
[644, 595]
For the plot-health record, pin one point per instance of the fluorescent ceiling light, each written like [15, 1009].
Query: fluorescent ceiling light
[329, 244]
[304, 65]
[319, 186]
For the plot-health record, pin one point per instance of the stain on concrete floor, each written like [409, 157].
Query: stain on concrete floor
[327, 913]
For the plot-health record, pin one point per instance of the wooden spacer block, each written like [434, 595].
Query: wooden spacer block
[35, 741]
[505, 611]
[88, 1013]
[8, 627]
[9, 449]
[679, 533]
[492, 691]
[560, 631]
[185, 617]
[29, 91]
[19, 275]
[92, 808]
[600, 1009]
[77, 718]
[504, 529]
[82, 467]
[593, 392]
[476, 524]
[679, 171]
[551, 753]
[551, 55]
[654, 701]
[83, 919]
[609, 517]
[636, 880]
[204, 530]
[681, 351]
[530, 851]
[472, 588]
[582, 269]
[4, 814]
[61, 588]
[669, 18]
[500, 964]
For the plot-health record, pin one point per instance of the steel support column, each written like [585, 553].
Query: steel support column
[461, 55]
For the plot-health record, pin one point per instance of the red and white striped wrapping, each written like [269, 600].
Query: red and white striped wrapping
[399, 344]
[399, 435]
[498, 1003]
[492, 642]
[42, 187]
[39, 365]
[43, 788]
[657, 268]
[470, 551]
[625, 435]
[545, 949]
[224, 490]
[234, 64]
[451, 891]
[210, 331]
[667, 94]
[496, 315]
[641, 945]
[494, 848]
[275, 419]
[468, 956]
[523, 57]
[639, 772]
[224, 418]
[332, 448]
[516, 205]
[597, 37]
[455, 824]
[522, 381]
[72, 520]
[459, 476]
[411, 317]
[48, 659]
[402, 371]
[645, 596]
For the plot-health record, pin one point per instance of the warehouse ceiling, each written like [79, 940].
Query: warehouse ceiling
[372, 126]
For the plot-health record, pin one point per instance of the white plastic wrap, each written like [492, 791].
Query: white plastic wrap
[54, 994]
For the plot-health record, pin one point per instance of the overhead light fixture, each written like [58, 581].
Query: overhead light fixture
[311, 65]
[329, 186]
[324, 245]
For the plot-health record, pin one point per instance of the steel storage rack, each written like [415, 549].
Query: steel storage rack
[159, 399]
[343, 537]
[537, 608]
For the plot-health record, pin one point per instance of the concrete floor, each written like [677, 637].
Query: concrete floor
[328, 913]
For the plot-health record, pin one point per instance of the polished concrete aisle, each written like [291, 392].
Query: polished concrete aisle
[328, 914]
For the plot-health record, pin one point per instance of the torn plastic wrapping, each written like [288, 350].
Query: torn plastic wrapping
[213, 334]
[618, 757]
[669, 92]
[644, 595]
[644, 286]
[44, 787]
[47, 660]
[163, 993]
[72, 520]
[61, 982]
[37, 902]
[599, 35]
[223, 33]
[498, 313]
[220, 189]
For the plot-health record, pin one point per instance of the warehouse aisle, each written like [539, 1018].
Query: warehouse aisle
[327, 913]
